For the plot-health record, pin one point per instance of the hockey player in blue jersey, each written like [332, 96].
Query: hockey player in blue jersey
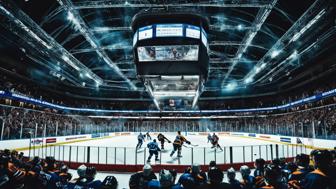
[154, 149]
[141, 138]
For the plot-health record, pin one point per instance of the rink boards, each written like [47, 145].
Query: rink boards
[119, 149]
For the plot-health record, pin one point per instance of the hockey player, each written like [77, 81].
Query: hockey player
[153, 150]
[178, 142]
[162, 139]
[209, 138]
[141, 138]
[215, 144]
[298, 141]
[148, 137]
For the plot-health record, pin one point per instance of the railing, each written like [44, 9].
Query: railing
[200, 155]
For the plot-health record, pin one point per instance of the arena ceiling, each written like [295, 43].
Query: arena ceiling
[84, 47]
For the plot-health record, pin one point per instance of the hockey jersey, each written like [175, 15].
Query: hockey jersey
[153, 146]
[179, 140]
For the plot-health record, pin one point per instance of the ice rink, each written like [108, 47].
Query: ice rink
[121, 150]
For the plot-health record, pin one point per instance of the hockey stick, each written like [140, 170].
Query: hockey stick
[186, 146]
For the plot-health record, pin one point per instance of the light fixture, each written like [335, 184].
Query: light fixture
[231, 86]
[304, 29]
[275, 53]
[248, 80]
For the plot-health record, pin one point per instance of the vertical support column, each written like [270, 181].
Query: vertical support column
[252, 159]
[313, 129]
[204, 156]
[88, 155]
[244, 154]
[21, 124]
[98, 155]
[145, 156]
[56, 131]
[271, 151]
[106, 155]
[192, 156]
[136, 157]
[224, 151]
[277, 151]
[2, 127]
[77, 154]
[231, 155]
[215, 153]
[115, 155]
[70, 154]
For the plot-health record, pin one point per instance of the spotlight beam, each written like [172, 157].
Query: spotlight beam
[21, 20]
[285, 40]
[261, 17]
[89, 36]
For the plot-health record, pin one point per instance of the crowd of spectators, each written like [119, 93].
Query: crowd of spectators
[22, 123]
[38, 92]
[313, 171]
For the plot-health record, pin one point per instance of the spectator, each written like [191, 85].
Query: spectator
[248, 181]
[140, 180]
[215, 176]
[323, 177]
[235, 184]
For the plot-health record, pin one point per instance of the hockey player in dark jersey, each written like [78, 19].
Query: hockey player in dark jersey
[162, 140]
[177, 145]
[214, 142]
[141, 138]
[209, 138]
[148, 137]
[153, 150]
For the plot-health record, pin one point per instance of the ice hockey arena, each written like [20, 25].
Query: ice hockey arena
[167, 94]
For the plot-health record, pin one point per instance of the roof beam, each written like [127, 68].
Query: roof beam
[314, 11]
[89, 36]
[88, 4]
[32, 29]
[261, 17]
[129, 29]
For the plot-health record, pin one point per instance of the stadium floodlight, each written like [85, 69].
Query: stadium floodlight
[294, 55]
[240, 27]
[263, 65]
[310, 24]
[248, 80]
[231, 86]
[275, 53]
[68, 61]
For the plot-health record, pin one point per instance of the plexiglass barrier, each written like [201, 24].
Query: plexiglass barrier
[200, 155]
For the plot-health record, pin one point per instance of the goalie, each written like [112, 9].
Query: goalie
[162, 140]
